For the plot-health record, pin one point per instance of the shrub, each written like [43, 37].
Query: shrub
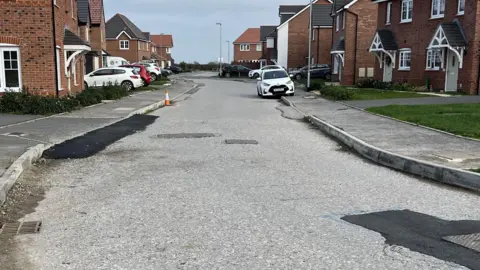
[317, 84]
[382, 85]
[402, 87]
[337, 93]
[25, 103]
[366, 83]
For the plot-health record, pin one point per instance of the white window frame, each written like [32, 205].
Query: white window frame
[72, 9]
[408, 4]
[389, 13]
[344, 18]
[244, 47]
[259, 47]
[438, 4]
[313, 34]
[402, 61]
[168, 50]
[59, 73]
[461, 12]
[431, 57]
[337, 23]
[3, 80]
[126, 44]
[87, 33]
[312, 61]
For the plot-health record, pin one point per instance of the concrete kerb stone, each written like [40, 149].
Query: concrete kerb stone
[26, 160]
[436, 172]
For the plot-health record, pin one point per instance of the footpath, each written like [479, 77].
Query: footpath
[24, 138]
[405, 147]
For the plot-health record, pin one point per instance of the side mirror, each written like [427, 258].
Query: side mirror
[91, 75]
[259, 78]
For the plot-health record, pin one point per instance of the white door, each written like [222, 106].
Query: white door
[96, 63]
[452, 72]
[387, 69]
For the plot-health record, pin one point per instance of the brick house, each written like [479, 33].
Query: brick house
[40, 47]
[268, 38]
[293, 34]
[428, 43]
[125, 39]
[91, 19]
[354, 25]
[163, 49]
[248, 46]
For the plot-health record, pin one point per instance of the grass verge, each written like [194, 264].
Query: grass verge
[459, 119]
[475, 170]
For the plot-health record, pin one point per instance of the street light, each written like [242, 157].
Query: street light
[220, 58]
[228, 42]
[309, 45]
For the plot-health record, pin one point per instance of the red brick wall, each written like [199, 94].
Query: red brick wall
[253, 54]
[417, 36]
[321, 45]
[97, 38]
[134, 54]
[29, 25]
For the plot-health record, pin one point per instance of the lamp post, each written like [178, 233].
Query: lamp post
[228, 42]
[309, 45]
[220, 58]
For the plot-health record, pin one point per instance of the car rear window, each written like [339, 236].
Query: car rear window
[119, 71]
[277, 74]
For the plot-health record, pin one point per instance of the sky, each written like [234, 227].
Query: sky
[192, 23]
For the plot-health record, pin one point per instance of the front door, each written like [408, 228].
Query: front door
[452, 72]
[387, 69]
[88, 63]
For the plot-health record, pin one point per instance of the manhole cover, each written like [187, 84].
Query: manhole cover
[471, 241]
[15, 228]
[241, 142]
[185, 135]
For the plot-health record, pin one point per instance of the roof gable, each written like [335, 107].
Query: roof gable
[96, 11]
[251, 35]
[162, 40]
[120, 23]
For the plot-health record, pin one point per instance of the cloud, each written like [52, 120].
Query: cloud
[192, 22]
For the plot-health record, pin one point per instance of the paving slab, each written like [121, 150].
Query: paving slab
[394, 136]
[10, 119]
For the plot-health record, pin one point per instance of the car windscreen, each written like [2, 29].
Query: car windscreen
[277, 74]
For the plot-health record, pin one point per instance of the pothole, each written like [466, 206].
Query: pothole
[185, 135]
[236, 141]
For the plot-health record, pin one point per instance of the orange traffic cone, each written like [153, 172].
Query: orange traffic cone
[167, 99]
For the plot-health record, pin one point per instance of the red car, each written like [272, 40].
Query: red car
[142, 71]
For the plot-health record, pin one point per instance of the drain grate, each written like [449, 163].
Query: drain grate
[241, 142]
[28, 227]
[471, 241]
[185, 135]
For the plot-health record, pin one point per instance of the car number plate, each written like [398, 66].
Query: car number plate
[278, 89]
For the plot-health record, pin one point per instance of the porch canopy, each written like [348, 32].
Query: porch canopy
[450, 35]
[338, 50]
[73, 46]
[384, 43]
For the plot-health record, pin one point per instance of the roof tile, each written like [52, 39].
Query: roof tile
[251, 35]
[162, 40]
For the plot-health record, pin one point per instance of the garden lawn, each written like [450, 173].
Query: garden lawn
[459, 119]
[371, 94]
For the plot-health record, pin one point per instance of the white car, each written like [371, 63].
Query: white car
[275, 82]
[153, 69]
[257, 72]
[126, 77]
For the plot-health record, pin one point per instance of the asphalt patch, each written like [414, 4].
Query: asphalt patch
[95, 141]
[423, 233]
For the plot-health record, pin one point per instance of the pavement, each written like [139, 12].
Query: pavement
[165, 198]
[20, 132]
[363, 104]
[393, 136]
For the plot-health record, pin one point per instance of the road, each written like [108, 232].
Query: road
[156, 202]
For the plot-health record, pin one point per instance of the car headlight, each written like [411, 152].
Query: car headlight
[290, 82]
[266, 84]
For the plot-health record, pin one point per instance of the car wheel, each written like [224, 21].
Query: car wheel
[255, 76]
[328, 77]
[85, 86]
[154, 76]
[298, 77]
[127, 85]
[228, 75]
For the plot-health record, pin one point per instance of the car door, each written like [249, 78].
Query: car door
[117, 76]
[99, 77]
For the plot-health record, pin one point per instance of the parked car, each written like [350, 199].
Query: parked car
[175, 69]
[153, 69]
[142, 71]
[320, 71]
[257, 72]
[126, 77]
[165, 72]
[115, 61]
[275, 82]
[234, 70]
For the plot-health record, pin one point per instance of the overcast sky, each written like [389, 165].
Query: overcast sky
[192, 22]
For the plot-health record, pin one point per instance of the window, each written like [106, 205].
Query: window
[434, 59]
[9, 68]
[389, 13]
[405, 59]
[337, 23]
[59, 77]
[168, 50]
[407, 10]
[438, 8]
[259, 47]
[244, 47]
[344, 19]
[72, 9]
[461, 7]
[124, 45]
[103, 72]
